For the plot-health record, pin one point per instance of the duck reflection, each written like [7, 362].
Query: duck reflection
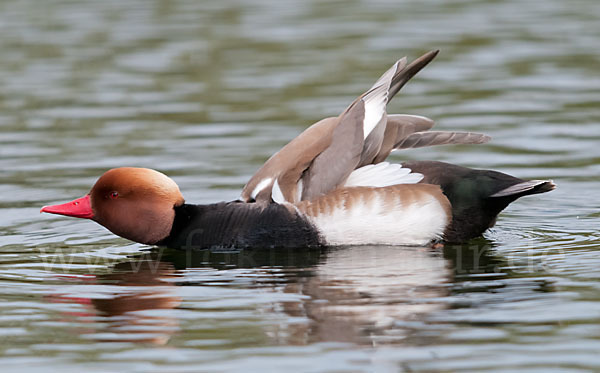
[134, 313]
[366, 294]
[358, 294]
[131, 304]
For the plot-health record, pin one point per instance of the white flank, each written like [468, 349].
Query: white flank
[277, 194]
[381, 175]
[374, 222]
[260, 186]
[375, 103]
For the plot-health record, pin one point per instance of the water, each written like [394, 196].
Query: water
[206, 92]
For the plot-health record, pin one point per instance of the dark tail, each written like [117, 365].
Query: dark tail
[476, 196]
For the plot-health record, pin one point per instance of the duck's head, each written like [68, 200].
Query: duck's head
[134, 203]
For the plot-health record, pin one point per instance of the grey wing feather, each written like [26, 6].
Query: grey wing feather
[398, 127]
[431, 138]
[331, 167]
[408, 124]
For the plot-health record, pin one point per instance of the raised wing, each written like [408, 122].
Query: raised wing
[322, 157]
[293, 159]
[361, 132]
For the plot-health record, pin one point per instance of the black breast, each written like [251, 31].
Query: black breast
[240, 225]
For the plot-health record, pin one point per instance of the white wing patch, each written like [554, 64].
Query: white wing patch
[375, 104]
[299, 187]
[260, 186]
[377, 97]
[277, 194]
[381, 175]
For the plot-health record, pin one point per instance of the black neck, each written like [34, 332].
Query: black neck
[239, 225]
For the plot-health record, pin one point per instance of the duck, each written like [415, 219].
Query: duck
[329, 186]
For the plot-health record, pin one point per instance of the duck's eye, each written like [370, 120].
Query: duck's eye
[114, 195]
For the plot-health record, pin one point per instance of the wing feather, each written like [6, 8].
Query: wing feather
[382, 175]
[431, 138]
[398, 127]
[325, 155]
[332, 166]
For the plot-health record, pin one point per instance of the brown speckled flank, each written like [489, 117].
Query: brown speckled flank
[391, 197]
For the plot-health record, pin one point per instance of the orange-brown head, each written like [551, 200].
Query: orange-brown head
[134, 203]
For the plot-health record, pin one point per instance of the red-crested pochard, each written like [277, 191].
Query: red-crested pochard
[328, 186]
